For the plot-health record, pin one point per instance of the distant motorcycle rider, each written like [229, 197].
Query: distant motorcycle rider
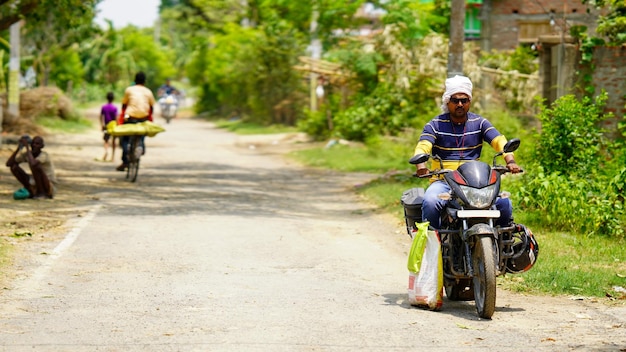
[168, 94]
[167, 89]
[457, 136]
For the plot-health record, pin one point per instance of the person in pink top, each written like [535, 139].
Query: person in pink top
[137, 106]
[108, 113]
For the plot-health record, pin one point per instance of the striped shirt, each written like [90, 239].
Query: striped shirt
[458, 143]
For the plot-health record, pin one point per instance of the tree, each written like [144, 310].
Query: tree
[54, 26]
[106, 59]
[12, 11]
[148, 57]
[613, 23]
[244, 62]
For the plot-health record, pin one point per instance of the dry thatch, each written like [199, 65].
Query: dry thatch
[37, 102]
[45, 101]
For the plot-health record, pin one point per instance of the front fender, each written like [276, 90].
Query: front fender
[480, 230]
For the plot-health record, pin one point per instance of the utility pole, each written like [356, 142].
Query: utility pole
[14, 72]
[457, 37]
[485, 26]
[316, 54]
[486, 80]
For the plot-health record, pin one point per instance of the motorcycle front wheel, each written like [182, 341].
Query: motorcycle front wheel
[484, 277]
[167, 114]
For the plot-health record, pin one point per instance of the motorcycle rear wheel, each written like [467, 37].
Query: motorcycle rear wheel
[484, 277]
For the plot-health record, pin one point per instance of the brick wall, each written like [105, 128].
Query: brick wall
[534, 7]
[609, 74]
[506, 17]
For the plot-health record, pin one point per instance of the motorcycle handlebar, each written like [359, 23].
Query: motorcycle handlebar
[500, 169]
[433, 173]
[504, 169]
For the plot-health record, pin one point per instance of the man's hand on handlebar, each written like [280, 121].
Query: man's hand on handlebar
[513, 167]
[421, 170]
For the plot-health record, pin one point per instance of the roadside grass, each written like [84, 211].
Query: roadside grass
[245, 128]
[72, 125]
[568, 264]
[348, 158]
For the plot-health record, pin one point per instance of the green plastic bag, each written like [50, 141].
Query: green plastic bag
[20, 194]
[417, 247]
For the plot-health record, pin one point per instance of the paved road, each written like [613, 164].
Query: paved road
[222, 246]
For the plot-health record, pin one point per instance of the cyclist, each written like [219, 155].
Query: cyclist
[137, 106]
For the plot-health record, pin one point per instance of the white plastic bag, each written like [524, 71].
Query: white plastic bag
[426, 285]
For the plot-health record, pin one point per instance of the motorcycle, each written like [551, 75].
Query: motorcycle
[169, 105]
[474, 250]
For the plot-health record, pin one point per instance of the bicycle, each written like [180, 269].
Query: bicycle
[135, 150]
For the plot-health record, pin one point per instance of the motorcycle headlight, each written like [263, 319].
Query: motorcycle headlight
[479, 197]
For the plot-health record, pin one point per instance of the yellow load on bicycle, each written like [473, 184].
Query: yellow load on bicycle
[146, 128]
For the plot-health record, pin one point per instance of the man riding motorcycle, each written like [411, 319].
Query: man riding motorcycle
[167, 89]
[456, 136]
[168, 95]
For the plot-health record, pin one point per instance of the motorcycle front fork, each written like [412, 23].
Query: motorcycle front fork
[468, 270]
[455, 255]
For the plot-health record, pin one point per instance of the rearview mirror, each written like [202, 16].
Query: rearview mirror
[419, 158]
[511, 145]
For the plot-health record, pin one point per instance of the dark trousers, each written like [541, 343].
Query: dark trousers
[125, 140]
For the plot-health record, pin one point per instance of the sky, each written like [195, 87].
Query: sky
[140, 13]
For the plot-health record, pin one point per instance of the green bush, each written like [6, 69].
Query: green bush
[315, 124]
[573, 184]
[388, 111]
[522, 59]
[571, 137]
[569, 203]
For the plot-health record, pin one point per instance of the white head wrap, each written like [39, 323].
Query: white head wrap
[454, 85]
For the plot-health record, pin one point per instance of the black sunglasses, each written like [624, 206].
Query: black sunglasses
[463, 101]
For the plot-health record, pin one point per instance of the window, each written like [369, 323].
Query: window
[472, 23]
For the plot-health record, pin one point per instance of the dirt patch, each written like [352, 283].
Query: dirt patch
[31, 227]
